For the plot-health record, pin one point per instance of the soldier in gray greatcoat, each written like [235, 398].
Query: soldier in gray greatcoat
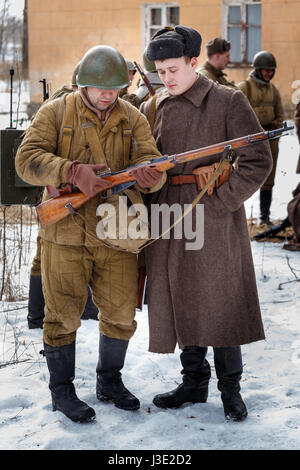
[208, 296]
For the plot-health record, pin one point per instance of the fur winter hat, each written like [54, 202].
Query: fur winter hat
[170, 43]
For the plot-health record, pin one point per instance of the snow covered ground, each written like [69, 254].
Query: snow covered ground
[270, 383]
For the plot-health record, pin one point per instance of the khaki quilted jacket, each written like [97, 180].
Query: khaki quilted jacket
[39, 160]
[266, 102]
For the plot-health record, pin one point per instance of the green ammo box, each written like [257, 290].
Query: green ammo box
[13, 190]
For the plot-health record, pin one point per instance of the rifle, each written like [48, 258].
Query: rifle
[11, 72]
[57, 208]
[271, 232]
[45, 89]
[145, 79]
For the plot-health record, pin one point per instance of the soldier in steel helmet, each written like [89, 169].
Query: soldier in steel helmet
[36, 302]
[218, 57]
[265, 100]
[106, 132]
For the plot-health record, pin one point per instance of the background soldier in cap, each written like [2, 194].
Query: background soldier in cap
[203, 297]
[218, 57]
[104, 128]
[265, 100]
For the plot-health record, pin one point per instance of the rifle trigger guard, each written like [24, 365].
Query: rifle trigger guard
[70, 208]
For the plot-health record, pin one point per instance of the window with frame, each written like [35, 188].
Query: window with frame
[157, 16]
[242, 29]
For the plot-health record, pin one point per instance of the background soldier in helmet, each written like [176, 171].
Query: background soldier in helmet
[104, 128]
[142, 93]
[150, 71]
[36, 302]
[265, 100]
[131, 73]
[218, 57]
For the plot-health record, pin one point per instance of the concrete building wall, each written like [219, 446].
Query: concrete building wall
[61, 32]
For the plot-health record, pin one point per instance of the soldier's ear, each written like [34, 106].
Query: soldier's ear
[194, 62]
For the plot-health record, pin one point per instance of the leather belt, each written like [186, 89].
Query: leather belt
[182, 179]
[201, 176]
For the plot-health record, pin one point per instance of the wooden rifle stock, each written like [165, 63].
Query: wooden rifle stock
[55, 209]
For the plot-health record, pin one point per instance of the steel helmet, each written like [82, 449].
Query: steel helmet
[130, 65]
[149, 65]
[103, 67]
[264, 60]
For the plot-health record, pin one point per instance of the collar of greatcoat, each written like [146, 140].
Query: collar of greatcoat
[195, 94]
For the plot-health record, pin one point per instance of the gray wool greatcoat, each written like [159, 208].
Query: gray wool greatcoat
[206, 297]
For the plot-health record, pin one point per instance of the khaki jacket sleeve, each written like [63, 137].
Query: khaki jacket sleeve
[36, 161]
[144, 148]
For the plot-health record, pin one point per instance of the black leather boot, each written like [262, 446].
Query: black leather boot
[194, 388]
[110, 387]
[61, 365]
[229, 368]
[90, 309]
[265, 204]
[36, 303]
